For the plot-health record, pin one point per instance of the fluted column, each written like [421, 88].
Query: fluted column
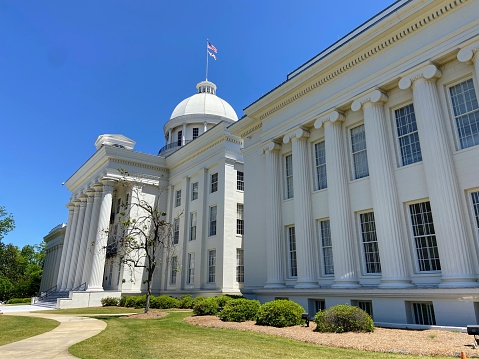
[340, 218]
[274, 228]
[302, 208]
[92, 232]
[66, 240]
[183, 135]
[76, 244]
[468, 54]
[99, 253]
[389, 229]
[71, 242]
[84, 238]
[170, 140]
[441, 179]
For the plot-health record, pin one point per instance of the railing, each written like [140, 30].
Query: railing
[172, 145]
[80, 288]
[45, 294]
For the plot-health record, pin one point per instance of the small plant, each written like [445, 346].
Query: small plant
[186, 302]
[19, 300]
[110, 302]
[343, 318]
[205, 306]
[280, 313]
[432, 336]
[239, 310]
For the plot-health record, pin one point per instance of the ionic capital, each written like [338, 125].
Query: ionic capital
[333, 116]
[297, 134]
[373, 97]
[90, 192]
[70, 206]
[468, 53]
[108, 184]
[271, 146]
[429, 72]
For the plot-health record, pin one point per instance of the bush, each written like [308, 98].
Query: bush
[205, 306]
[280, 313]
[164, 302]
[223, 299]
[138, 301]
[122, 302]
[186, 302]
[343, 318]
[110, 301]
[239, 310]
[19, 301]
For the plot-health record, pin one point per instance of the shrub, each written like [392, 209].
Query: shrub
[205, 306]
[19, 300]
[186, 301]
[138, 301]
[343, 318]
[122, 302]
[239, 310]
[110, 301]
[164, 302]
[223, 299]
[280, 313]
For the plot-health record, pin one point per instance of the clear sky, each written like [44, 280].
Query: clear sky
[73, 70]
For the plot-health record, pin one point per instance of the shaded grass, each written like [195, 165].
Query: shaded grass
[171, 337]
[15, 328]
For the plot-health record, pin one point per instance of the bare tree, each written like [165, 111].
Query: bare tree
[145, 239]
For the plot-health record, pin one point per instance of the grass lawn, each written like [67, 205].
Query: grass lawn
[15, 328]
[170, 337]
[92, 311]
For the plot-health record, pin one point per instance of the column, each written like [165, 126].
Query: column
[444, 194]
[274, 229]
[71, 242]
[389, 229]
[183, 135]
[76, 244]
[169, 137]
[84, 238]
[468, 55]
[99, 254]
[185, 200]
[205, 126]
[66, 240]
[302, 208]
[92, 232]
[340, 217]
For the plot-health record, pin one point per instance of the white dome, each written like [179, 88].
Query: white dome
[205, 103]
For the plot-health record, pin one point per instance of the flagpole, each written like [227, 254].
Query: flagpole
[207, 59]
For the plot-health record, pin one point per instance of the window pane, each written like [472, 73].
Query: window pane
[293, 264]
[370, 243]
[320, 154]
[358, 150]
[407, 135]
[327, 248]
[466, 113]
[289, 176]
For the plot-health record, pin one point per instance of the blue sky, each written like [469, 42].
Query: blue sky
[72, 70]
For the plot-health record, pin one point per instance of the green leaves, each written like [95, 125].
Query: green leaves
[7, 223]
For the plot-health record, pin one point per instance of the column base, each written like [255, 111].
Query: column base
[396, 283]
[95, 289]
[274, 285]
[348, 284]
[306, 285]
[459, 282]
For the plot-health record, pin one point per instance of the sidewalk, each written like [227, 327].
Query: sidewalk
[53, 344]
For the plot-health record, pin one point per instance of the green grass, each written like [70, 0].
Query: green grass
[15, 328]
[171, 337]
[92, 311]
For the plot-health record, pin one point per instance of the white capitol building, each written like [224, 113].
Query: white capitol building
[361, 180]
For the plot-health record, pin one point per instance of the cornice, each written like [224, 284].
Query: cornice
[139, 164]
[366, 54]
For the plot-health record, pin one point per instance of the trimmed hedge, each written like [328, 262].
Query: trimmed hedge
[239, 310]
[164, 302]
[186, 302]
[19, 300]
[343, 318]
[280, 313]
[110, 302]
[205, 306]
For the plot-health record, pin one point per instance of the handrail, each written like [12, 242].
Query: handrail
[80, 288]
[45, 294]
[173, 145]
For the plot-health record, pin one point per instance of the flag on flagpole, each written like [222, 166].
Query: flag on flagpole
[212, 55]
[212, 48]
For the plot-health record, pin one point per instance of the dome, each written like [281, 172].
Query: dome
[205, 102]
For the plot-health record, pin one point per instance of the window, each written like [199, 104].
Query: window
[176, 231]
[365, 305]
[211, 266]
[407, 135]
[118, 205]
[424, 237]
[466, 113]
[239, 219]
[424, 313]
[178, 198]
[358, 150]
[475, 205]
[370, 243]
[320, 155]
[180, 139]
[195, 132]
[191, 268]
[174, 265]
[192, 226]
[240, 181]
[289, 176]
[214, 182]
[194, 191]
[327, 248]
[319, 305]
[213, 211]
[239, 265]
[293, 264]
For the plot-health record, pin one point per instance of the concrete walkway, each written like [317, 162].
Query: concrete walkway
[53, 344]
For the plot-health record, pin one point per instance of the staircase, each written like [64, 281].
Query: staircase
[50, 300]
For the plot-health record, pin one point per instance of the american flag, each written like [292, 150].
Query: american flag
[212, 48]
[212, 55]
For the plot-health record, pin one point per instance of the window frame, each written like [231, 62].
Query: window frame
[240, 181]
[193, 225]
[352, 154]
[321, 180]
[179, 138]
[240, 219]
[212, 266]
[324, 254]
[194, 191]
[190, 278]
[292, 252]
[176, 231]
[400, 156]
[178, 198]
[288, 178]
[239, 265]
[367, 264]
[173, 270]
[212, 227]
[214, 182]
[197, 130]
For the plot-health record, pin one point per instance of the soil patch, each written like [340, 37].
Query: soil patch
[149, 315]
